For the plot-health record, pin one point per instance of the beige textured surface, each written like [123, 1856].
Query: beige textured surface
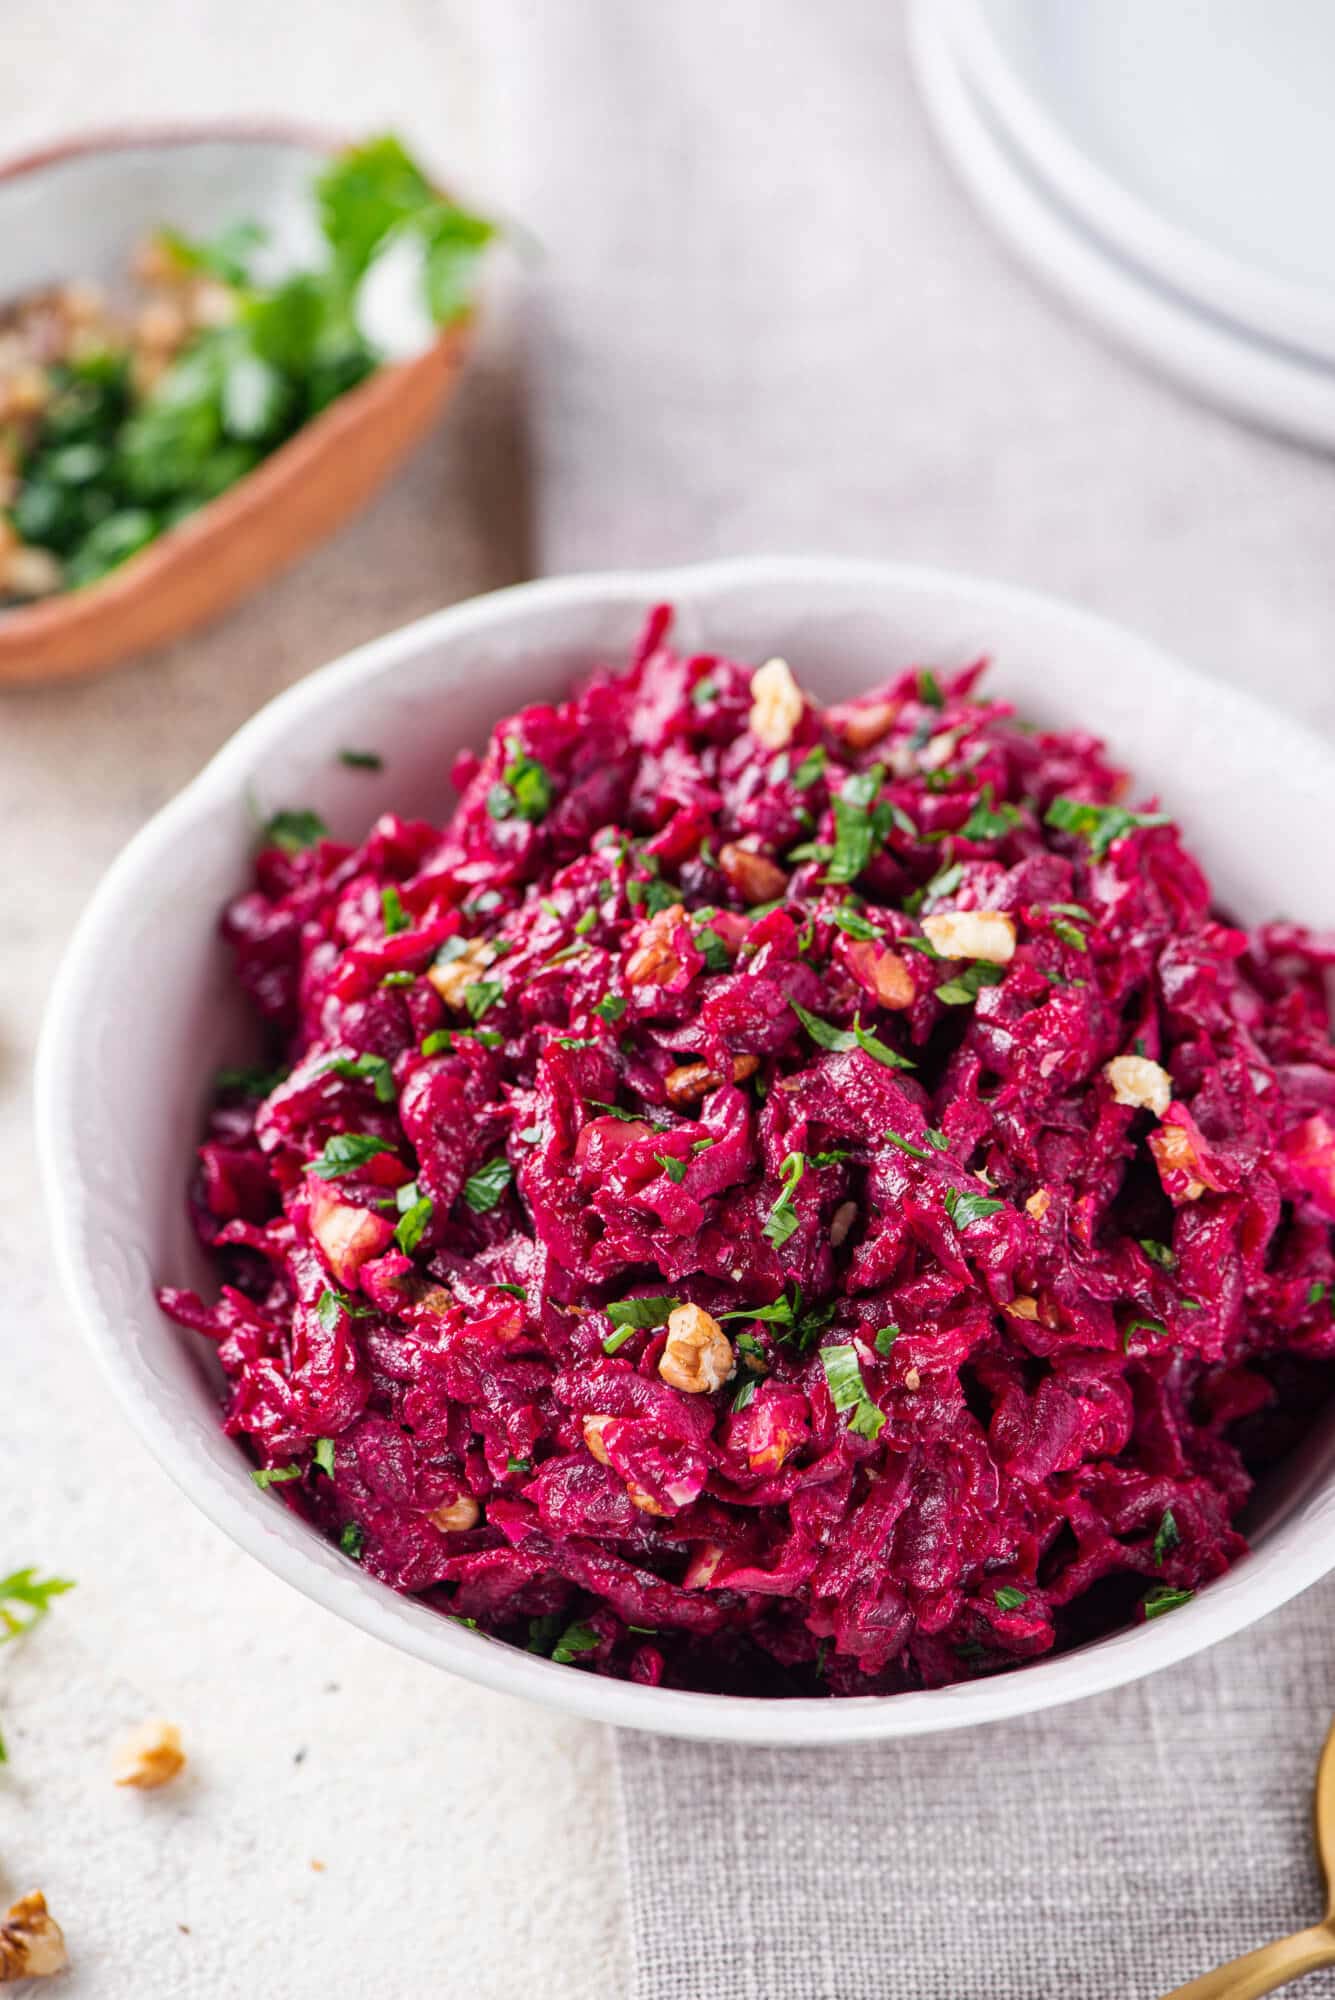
[466, 1840]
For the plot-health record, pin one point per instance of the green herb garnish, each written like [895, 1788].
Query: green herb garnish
[843, 1373]
[965, 1209]
[1164, 1598]
[33, 1595]
[1166, 1536]
[653, 1310]
[323, 1455]
[1099, 825]
[484, 1189]
[275, 1475]
[1010, 1599]
[782, 1218]
[345, 1152]
[294, 831]
[363, 1069]
[362, 760]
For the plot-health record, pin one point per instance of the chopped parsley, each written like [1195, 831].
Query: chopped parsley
[853, 923]
[782, 1218]
[513, 1464]
[704, 691]
[857, 826]
[525, 789]
[1099, 825]
[745, 1394]
[1164, 1598]
[929, 689]
[1010, 1599]
[611, 1007]
[1154, 1327]
[438, 1043]
[574, 1640]
[1159, 1253]
[811, 767]
[651, 1311]
[964, 989]
[674, 1169]
[353, 1540]
[398, 979]
[585, 924]
[331, 1303]
[907, 1146]
[987, 822]
[482, 994]
[717, 956]
[275, 1475]
[249, 1082]
[363, 1069]
[843, 1373]
[885, 1339]
[323, 1455]
[414, 1223]
[1316, 1291]
[33, 1594]
[827, 1036]
[1070, 934]
[293, 832]
[965, 1209]
[1166, 1537]
[945, 881]
[395, 916]
[362, 760]
[345, 1152]
[485, 1188]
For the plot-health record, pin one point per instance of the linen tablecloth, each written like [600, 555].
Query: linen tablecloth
[764, 318]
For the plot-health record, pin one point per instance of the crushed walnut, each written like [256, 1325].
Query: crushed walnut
[776, 705]
[150, 1755]
[698, 1356]
[32, 1944]
[986, 934]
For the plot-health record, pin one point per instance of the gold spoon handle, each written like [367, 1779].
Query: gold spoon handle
[1262, 1971]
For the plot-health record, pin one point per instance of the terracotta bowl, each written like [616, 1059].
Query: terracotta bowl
[79, 210]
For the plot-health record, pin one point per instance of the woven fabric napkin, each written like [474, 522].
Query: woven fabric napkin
[762, 317]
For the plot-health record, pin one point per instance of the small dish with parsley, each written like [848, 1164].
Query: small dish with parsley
[131, 401]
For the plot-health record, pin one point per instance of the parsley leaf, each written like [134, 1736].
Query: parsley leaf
[611, 1007]
[929, 689]
[345, 1152]
[827, 1036]
[485, 1188]
[965, 1209]
[391, 905]
[1164, 1598]
[438, 1043]
[854, 825]
[1159, 1253]
[843, 1373]
[674, 1169]
[414, 1223]
[249, 1082]
[1010, 1599]
[885, 1339]
[987, 823]
[653, 1310]
[294, 831]
[483, 993]
[854, 924]
[1166, 1537]
[782, 1218]
[323, 1456]
[1316, 1291]
[1100, 825]
[574, 1640]
[363, 1069]
[275, 1475]
[811, 767]
[964, 989]
[362, 760]
[353, 1540]
[745, 1394]
[1069, 934]
[25, 1588]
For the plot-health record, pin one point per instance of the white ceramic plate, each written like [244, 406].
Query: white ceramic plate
[1266, 384]
[144, 1010]
[1197, 138]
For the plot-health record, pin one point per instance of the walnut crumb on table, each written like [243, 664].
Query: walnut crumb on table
[150, 1755]
[32, 1944]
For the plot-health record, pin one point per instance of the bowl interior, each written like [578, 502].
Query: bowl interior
[145, 1010]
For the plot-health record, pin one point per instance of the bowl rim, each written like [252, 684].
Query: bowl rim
[1254, 1587]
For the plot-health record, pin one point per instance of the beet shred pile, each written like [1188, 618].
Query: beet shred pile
[772, 1198]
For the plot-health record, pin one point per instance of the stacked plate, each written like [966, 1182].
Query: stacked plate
[1166, 167]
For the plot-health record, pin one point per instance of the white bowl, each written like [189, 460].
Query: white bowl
[144, 1010]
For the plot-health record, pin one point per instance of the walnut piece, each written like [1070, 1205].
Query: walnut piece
[841, 1222]
[453, 979]
[698, 1357]
[776, 705]
[455, 1517]
[689, 1082]
[32, 1944]
[867, 723]
[754, 876]
[150, 1755]
[1138, 1081]
[988, 934]
[653, 960]
[883, 973]
[593, 1437]
[1038, 1204]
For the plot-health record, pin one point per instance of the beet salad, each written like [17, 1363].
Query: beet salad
[771, 1198]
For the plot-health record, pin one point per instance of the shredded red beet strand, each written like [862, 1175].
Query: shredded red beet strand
[771, 1198]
